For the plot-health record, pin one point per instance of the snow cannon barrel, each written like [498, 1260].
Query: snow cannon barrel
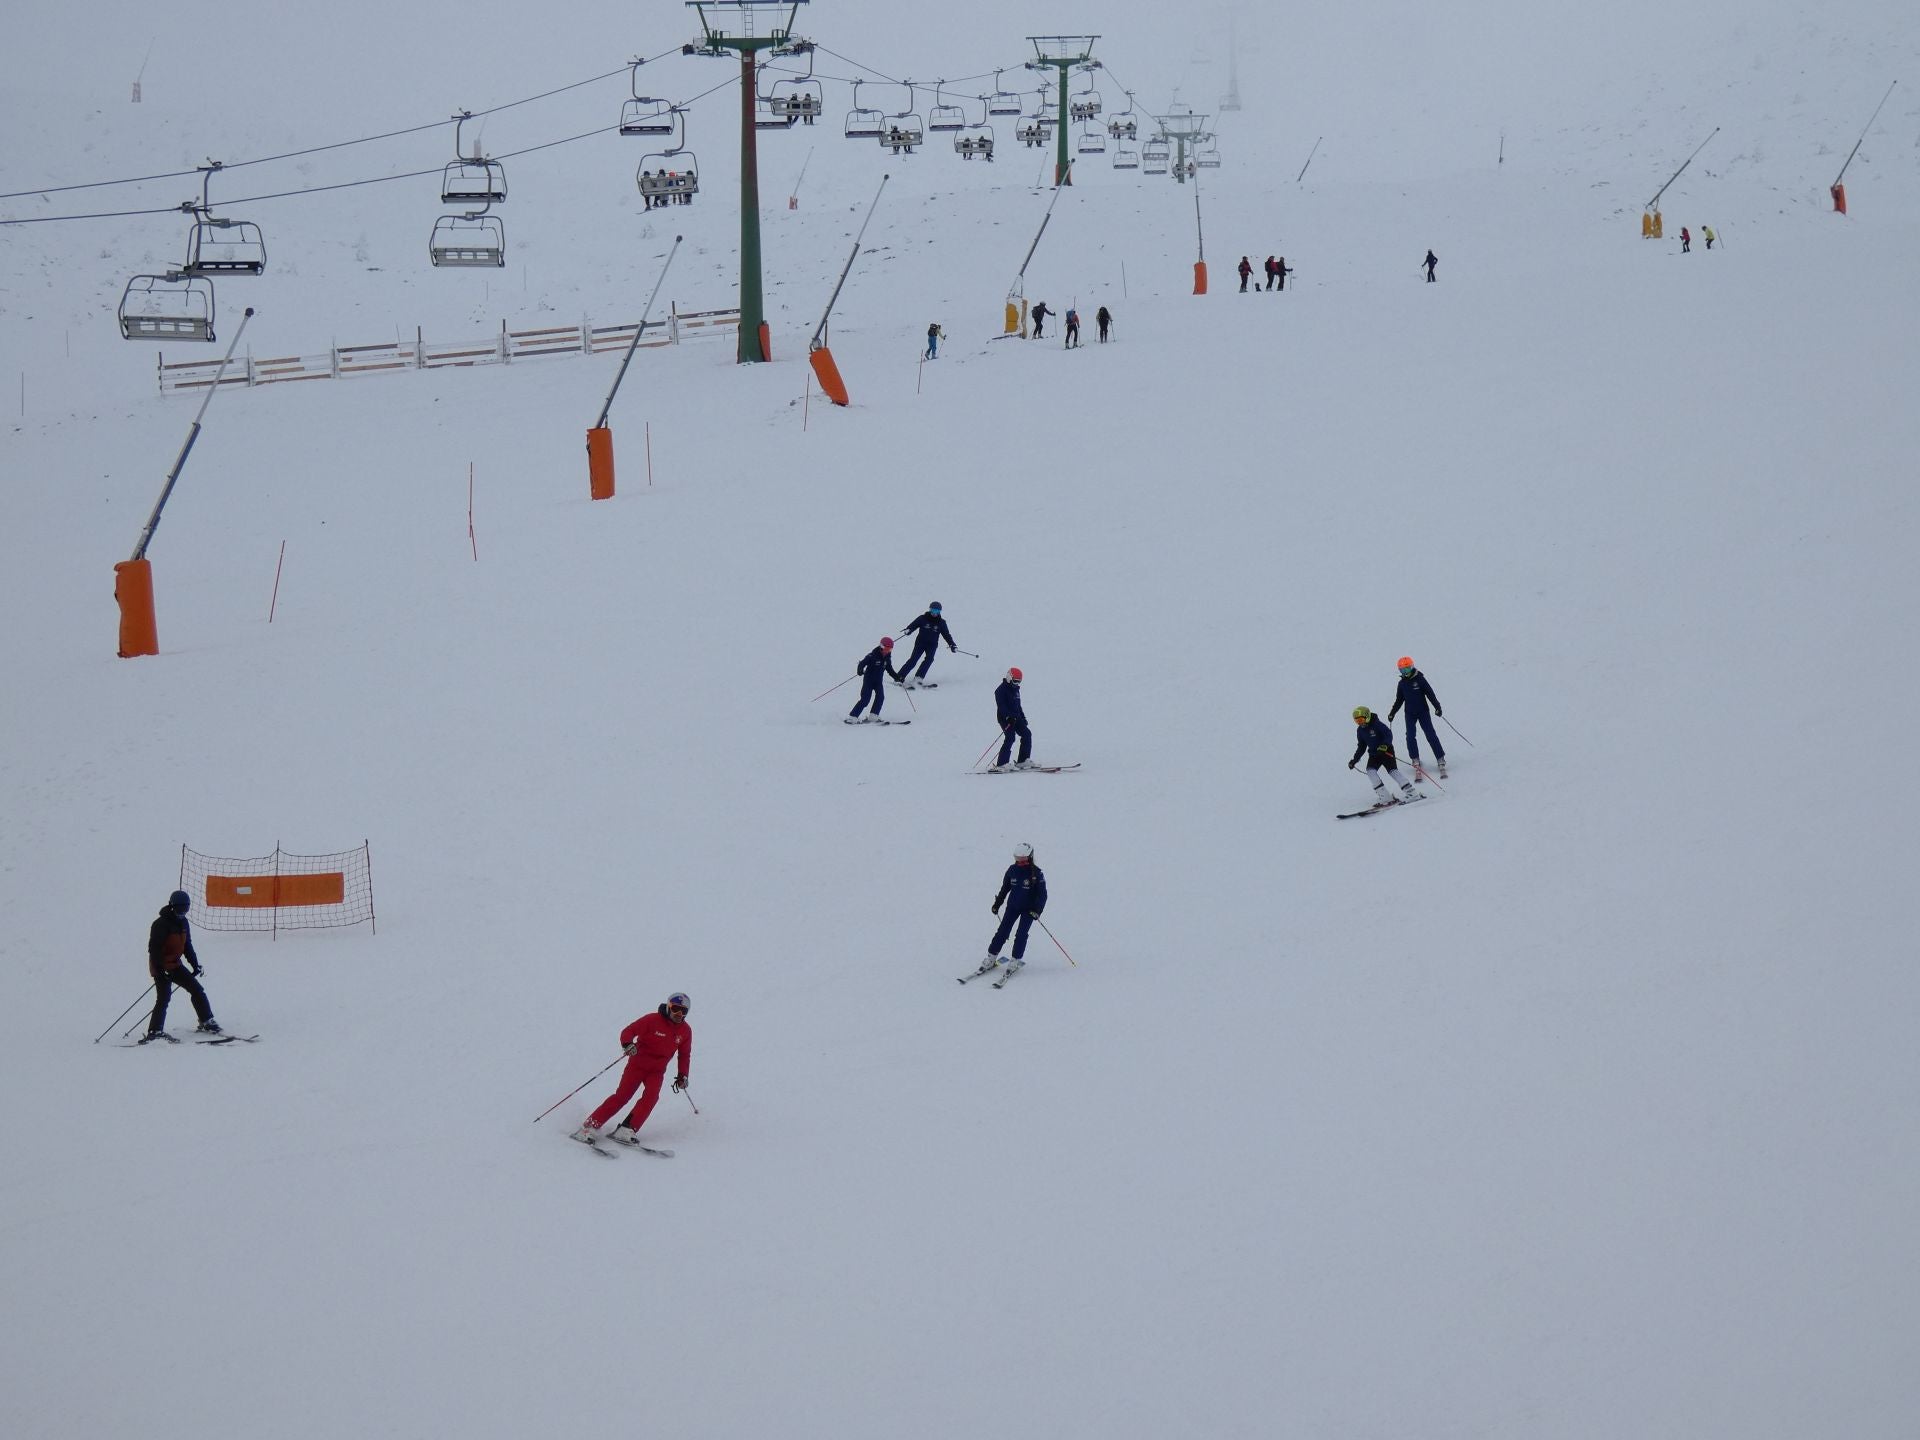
[133, 593]
[828, 374]
[600, 463]
[1199, 277]
[1839, 193]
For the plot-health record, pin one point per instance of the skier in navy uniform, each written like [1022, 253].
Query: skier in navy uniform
[1374, 739]
[873, 669]
[928, 631]
[1013, 722]
[1023, 891]
[1416, 694]
[171, 961]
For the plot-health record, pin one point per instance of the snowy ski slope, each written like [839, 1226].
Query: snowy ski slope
[1575, 1102]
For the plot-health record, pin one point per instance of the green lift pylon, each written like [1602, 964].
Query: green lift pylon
[777, 39]
[1064, 53]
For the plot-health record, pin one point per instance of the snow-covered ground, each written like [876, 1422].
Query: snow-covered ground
[1574, 1102]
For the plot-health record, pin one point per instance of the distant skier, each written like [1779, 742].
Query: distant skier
[650, 1042]
[1416, 694]
[171, 961]
[1281, 270]
[1073, 328]
[934, 336]
[1102, 321]
[873, 670]
[1686, 241]
[1040, 313]
[1375, 741]
[927, 631]
[1430, 262]
[1023, 890]
[1706, 234]
[1246, 271]
[1013, 724]
[1272, 271]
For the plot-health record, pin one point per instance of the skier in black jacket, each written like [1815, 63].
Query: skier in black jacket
[1416, 694]
[1013, 722]
[928, 631]
[1374, 740]
[1023, 890]
[171, 961]
[873, 669]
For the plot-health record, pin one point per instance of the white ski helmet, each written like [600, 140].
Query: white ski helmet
[1023, 852]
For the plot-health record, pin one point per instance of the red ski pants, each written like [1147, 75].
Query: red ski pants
[639, 1073]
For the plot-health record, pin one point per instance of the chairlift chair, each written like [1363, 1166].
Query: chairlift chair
[1086, 103]
[468, 241]
[943, 117]
[1092, 140]
[173, 306]
[802, 99]
[1207, 155]
[1125, 159]
[224, 247]
[684, 180]
[644, 115]
[766, 116]
[905, 129]
[974, 140]
[1155, 156]
[471, 180]
[1002, 102]
[864, 123]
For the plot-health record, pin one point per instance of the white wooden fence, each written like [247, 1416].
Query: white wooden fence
[186, 376]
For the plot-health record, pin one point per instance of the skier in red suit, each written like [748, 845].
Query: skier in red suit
[650, 1042]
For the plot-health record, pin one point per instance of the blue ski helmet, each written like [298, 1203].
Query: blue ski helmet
[934, 607]
[180, 901]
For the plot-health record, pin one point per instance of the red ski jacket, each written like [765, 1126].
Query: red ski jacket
[657, 1039]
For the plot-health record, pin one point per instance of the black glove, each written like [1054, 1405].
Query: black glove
[629, 1048]
[1353, 762]
[995, 907]
[198, 969]
[1438, 711]
[679, 1082]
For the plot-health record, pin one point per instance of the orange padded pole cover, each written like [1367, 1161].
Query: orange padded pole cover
[1646, 224]
[600, 463]
[1839, 199]
[766, 341]
[1199, 277]
[1013, 318]
[133, 592]
[828, 374]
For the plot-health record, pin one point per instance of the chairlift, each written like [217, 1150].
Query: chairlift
[1031, 131]
[1125, 159]
[1086, 103]
[974, 140]
[173, 306]
[1207, 154]
[1002, 102]
[468, 241]
[905, 129]
[765, 117]
[681, 183]
[802, 98]
[1124, 124]
[944, 117]
[218, 246]
[471, 180]
[1092, 140]
[862, 123]
[1155, 156]
[643, 114]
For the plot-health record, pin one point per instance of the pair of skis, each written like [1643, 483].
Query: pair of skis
[198, 1040]
[1382, 805]
[594, 1146]
[999, 984]
[1027, 770]
[871, 720]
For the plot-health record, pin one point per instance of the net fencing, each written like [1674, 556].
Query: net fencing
[280, 891]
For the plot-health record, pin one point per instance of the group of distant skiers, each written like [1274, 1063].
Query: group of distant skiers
[930, 631]
[1276, 270]
[1686, 238]
[1102, 320]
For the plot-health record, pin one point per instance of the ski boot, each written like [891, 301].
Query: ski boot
[626, 1134]
[586, 1135]
[208, 1026]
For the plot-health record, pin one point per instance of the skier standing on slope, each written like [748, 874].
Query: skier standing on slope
[1039, 313]
[934, 336]
[1706, 234]
[171, 961]
[1416, 694]
[1023, 890]
[1375, 741]
[1073, 328]
[1013, 722]
[650, 1042]
[1103, 320]
[927, 631]
[1431, 261]
[1246, 269]
[873, 670]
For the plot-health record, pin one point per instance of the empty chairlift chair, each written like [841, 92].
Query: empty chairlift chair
[167, 307]
[471, 179]
[1125, 159]
[468, 241]
[944, 118]
[862, 123]
[1002, 102]
[218, 246]
[1092, 140]
[1154, 156]
[1207, 155]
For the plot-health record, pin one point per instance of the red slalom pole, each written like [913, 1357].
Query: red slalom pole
[1057, 945]
[578, 1088]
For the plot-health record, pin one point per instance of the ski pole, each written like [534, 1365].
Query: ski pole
[123, 1014]
[824, 693]
[696, 1108]
[986, 752]
[578, 1088]
[1421, 771]
[958, 651]
[1057, 945]
[1451, 726]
